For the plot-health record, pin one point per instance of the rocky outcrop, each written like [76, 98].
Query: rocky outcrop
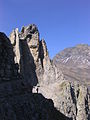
[70, 98]
[30, 53]
[33, 87]
[14, 37]
[17, 102]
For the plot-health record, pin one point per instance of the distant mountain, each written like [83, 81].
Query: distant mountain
[75, 63]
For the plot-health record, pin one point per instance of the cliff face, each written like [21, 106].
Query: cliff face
[30, 52]
[7, 67]
[17, 102]
[31, 77]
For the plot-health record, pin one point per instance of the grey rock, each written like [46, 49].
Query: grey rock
[17, 77]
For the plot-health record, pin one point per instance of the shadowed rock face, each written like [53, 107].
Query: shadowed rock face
[36, 84]
[8, 69]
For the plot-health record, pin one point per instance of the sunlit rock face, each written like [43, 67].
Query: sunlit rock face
[36, 79]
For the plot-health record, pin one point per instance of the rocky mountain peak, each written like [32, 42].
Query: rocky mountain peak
[32, 28]
[29, 32]
[78, 56]
[27, 46]
[75, 63]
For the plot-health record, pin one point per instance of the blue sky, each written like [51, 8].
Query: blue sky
[62, 23]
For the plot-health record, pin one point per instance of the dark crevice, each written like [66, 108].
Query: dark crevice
[87, 105]
[41, 53]
[73, 97]
[27, 64]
